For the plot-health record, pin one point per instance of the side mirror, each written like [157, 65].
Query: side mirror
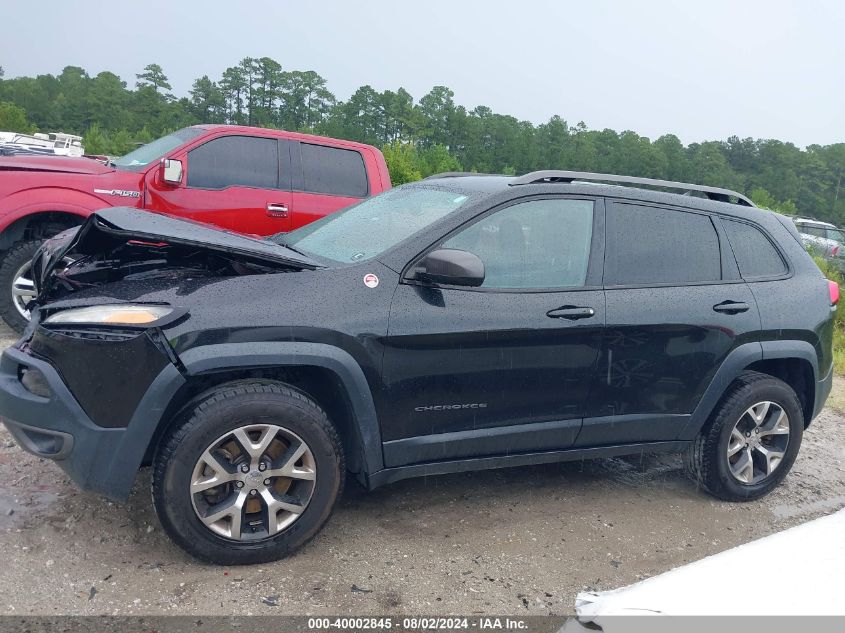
[452, 267]
[171, 171]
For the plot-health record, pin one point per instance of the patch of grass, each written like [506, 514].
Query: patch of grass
[839, 352]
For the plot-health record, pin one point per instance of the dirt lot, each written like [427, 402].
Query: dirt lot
[519, 541]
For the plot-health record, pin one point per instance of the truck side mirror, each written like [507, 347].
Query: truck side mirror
[171, 171]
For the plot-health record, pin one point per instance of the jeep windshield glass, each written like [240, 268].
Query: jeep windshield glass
[146, 154]
[368, 229]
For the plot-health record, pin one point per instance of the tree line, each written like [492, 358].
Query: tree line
[418, 137]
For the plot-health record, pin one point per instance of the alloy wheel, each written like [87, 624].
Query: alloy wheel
[23, 285]
[253, 482]
[758, 442]
[23, 289]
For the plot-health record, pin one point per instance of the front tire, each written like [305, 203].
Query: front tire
[16, 285]
[251, 475]
[751, 440]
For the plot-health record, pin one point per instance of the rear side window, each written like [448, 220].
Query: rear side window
[334, 171]
[648, 245]
[246, 161]
[756, 256]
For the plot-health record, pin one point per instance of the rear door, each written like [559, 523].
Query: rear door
[325, 179]
[676, 307]
[504, 368]
[237, 182]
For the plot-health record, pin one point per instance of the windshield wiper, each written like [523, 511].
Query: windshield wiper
[295, 250]
[279, 238]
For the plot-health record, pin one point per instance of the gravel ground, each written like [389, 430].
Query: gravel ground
[519, 541]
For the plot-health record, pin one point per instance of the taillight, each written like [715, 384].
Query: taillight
[833, 288]
[835, 251]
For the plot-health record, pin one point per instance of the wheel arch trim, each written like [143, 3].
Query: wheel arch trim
[736, 361]
[226, 356]
[34, 202]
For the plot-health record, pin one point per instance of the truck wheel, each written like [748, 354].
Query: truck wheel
[751, 440]
[16, 285]
[251, 475]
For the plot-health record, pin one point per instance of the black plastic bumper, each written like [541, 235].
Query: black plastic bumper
[823, 388]
[96, 458]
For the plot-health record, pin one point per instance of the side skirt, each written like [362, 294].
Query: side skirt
[389, 475]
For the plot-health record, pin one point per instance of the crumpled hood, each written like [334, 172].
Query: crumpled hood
[63, 164]
[109, 229]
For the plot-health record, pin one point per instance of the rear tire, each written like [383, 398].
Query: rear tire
[13, 263]
[228, 436]
[751, 440]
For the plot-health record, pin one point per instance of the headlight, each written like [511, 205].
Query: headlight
[125, 314]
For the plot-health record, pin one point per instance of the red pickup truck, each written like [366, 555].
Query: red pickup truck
[245, 179]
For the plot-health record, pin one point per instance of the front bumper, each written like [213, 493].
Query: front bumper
[56, 427]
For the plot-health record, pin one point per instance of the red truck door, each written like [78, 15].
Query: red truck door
[238, 182]
[325, 179]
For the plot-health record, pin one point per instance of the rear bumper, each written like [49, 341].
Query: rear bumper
[823, 388]
[56, 427]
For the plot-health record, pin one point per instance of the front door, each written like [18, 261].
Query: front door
[504, 368]
[240, 183]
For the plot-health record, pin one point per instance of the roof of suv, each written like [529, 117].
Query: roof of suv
[597, 185]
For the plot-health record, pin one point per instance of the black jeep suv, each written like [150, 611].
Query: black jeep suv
[459, 323]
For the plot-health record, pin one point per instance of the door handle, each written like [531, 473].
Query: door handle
[731, 307]
[571, 312]
[277, 210]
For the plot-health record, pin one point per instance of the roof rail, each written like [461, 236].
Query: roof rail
[458, 174]
[554, 175]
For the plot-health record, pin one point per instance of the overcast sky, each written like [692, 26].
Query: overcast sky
[702, 70]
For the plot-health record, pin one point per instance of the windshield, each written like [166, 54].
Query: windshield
[150, 152]
[368, 229]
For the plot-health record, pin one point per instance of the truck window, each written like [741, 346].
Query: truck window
[334, 171]
[138, 159]
[229, 161]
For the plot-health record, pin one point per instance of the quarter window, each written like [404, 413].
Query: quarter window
[537, 244]
[755, 255]
[229, 161]
[333, 170]
[649, 245]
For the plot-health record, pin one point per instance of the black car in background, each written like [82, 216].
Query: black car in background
[463, 322]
